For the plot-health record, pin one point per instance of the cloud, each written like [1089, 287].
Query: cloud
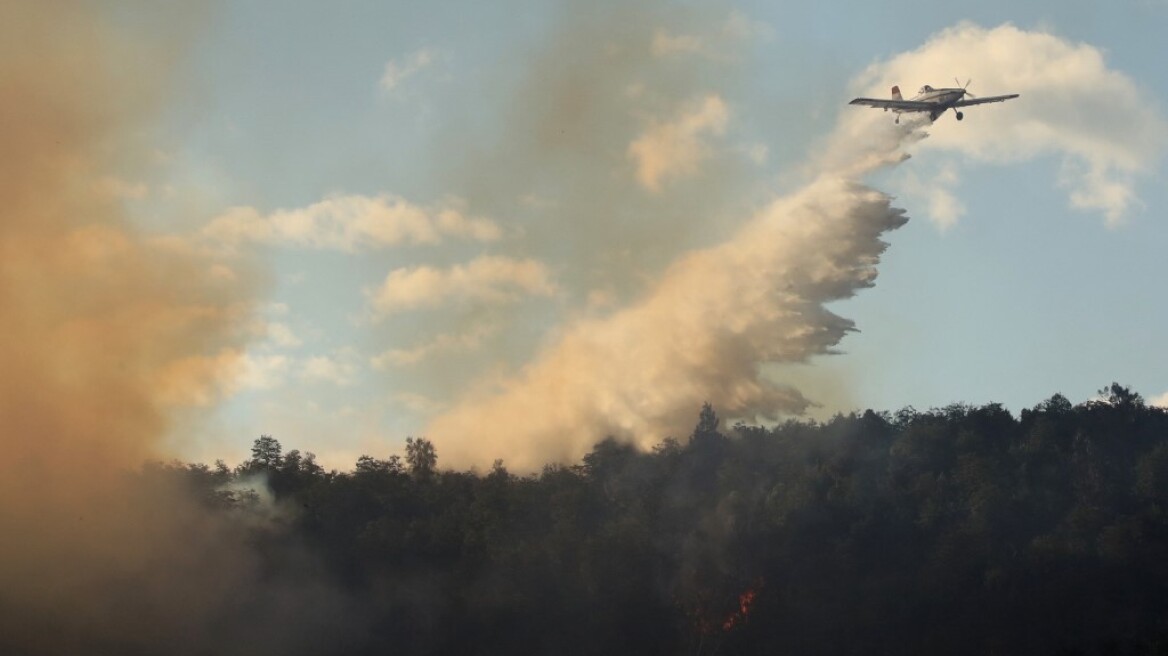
[401, 69]
[665, 44]
[264, 364]
[718, 318]
[259, 372]
[281, 335]
[755, 152]
[418, 403]
[736, 29]
[714, 324]
[944, 208]
[339, 369]
[490, 280]
[741, 27]
[676, 148]
[203, 380]
[443, 344]
[1105, 128]
[1159, 401]
[350, 222]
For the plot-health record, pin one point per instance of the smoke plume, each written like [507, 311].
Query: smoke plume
[104, 331]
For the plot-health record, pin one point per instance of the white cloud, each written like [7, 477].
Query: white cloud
[339, 369]
[270, 329]
[1072, 105]
[538, 203]
[441, 345]
[944, 208]
[1159, 401]
[756, 152]
[486, 279]
[281, 335]
[417, 403]
[738, 28]
[666, 44]
[744, 28]
[256, 371]
[720, 324]
[400, 69]
[676, 148]
[347, 223]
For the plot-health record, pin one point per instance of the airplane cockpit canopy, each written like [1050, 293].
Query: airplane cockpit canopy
[925, 89]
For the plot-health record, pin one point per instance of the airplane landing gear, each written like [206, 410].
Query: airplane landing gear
[960, 116]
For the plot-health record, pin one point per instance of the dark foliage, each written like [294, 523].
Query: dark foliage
[961, 530]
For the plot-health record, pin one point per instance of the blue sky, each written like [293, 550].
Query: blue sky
[506, 135]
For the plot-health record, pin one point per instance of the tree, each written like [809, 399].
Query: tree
[265, 452]
[369, 465]
[421, 457]
[707, 423]
[1121, 397]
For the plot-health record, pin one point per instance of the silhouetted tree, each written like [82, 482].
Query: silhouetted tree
[265, 452]
[421, 457]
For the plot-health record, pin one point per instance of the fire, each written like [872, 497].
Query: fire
[707, 616]
[745, 601]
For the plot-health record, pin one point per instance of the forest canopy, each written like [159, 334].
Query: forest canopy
[957, 530]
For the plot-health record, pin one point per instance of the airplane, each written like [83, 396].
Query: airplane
[933, 101]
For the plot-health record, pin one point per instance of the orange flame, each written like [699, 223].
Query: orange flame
[745, 601]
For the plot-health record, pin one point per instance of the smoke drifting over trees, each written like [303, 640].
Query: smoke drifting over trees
[961, 530]
[106, 332]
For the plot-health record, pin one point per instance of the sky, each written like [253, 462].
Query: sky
[516, 227]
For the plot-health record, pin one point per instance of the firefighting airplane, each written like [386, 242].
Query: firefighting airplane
[933, 101]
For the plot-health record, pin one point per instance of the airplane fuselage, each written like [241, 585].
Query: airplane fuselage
[942, 99]
[928, 100]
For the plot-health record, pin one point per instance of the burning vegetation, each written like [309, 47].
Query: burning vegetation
[739, 615]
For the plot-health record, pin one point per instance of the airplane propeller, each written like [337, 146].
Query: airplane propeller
[965, 87]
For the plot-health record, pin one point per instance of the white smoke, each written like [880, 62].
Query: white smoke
[702, 333]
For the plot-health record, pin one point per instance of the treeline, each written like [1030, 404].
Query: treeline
[959, 530]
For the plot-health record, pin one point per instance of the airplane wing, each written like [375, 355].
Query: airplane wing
[899, 105]
[987, 99]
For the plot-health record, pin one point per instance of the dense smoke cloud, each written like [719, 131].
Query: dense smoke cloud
[607, 154]
[104, 330]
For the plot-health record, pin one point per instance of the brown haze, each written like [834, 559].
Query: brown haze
[103, 330]
[565, 112]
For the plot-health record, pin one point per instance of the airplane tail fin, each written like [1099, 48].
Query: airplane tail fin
[896, 94]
